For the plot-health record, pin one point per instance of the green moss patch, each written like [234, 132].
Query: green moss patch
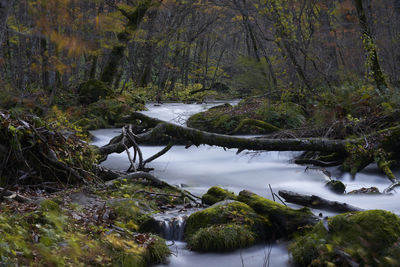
[250, 116]
[367, 238]
[216, 194]
[222, 237]
[285, 221]
[336, 186]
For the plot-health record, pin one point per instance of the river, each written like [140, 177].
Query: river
[199, 168]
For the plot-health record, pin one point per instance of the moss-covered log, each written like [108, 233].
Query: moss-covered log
[380, 147]
[316, 202]
[197, 137]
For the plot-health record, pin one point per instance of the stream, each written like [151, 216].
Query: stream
[198, 168]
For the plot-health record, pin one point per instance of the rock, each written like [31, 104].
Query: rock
[285, 221]
[221, 227]
[336, 186]
[222, 237]
[216, 194]
[366, 238]
[371, 190]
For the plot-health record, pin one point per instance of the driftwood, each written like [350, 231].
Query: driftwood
[316, 202]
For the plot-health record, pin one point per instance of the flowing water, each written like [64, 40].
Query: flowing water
[199, 168]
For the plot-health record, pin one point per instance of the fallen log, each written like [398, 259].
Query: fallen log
[380, 147]
[316, 202]
[197, 137]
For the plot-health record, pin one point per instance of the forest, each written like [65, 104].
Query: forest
[203, 132]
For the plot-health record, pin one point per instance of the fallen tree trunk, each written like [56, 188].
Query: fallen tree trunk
[316, 202]
[197, 137]
[381, 146]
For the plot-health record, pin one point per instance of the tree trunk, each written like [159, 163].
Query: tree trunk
[5, 6]
[117, 53]
[197, 137]
[370, 47]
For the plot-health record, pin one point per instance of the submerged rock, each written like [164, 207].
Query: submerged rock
[336, 186]
[369, 191]
[366, 238]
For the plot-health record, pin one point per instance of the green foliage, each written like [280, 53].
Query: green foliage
[264, 116]
[368, 238]
[253, 77]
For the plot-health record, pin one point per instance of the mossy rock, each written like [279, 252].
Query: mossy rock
[216, 194]
[93, 90]
[366, 238]
[231, 213]
[336, 186]
[285, 221]
[223, 237]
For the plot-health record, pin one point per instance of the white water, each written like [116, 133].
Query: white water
[198, 169]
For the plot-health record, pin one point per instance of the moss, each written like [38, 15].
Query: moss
[231, 213]
[93, 90]
[358, 158]
[157, 251]
[216, 194]
[222, 237]
[49, 205]
[285, 221]
[368, 238]
[262, 125]
[336, 186]
[250, 116]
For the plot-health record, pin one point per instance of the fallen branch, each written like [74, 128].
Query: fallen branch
[316, 202]
[13, 195]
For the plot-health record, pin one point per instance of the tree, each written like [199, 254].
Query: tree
[5, 6]
[370, 47]
[134, 17]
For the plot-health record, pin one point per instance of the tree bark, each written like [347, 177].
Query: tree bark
[5, 6]
[117, 53]
[370, 47]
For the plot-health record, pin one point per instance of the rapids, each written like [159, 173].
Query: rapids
[199, 168]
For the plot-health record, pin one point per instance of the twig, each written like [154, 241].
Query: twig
[280, 199]
[272, 192]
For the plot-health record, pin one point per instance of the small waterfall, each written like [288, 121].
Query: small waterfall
[173, 228]
[172, 223]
